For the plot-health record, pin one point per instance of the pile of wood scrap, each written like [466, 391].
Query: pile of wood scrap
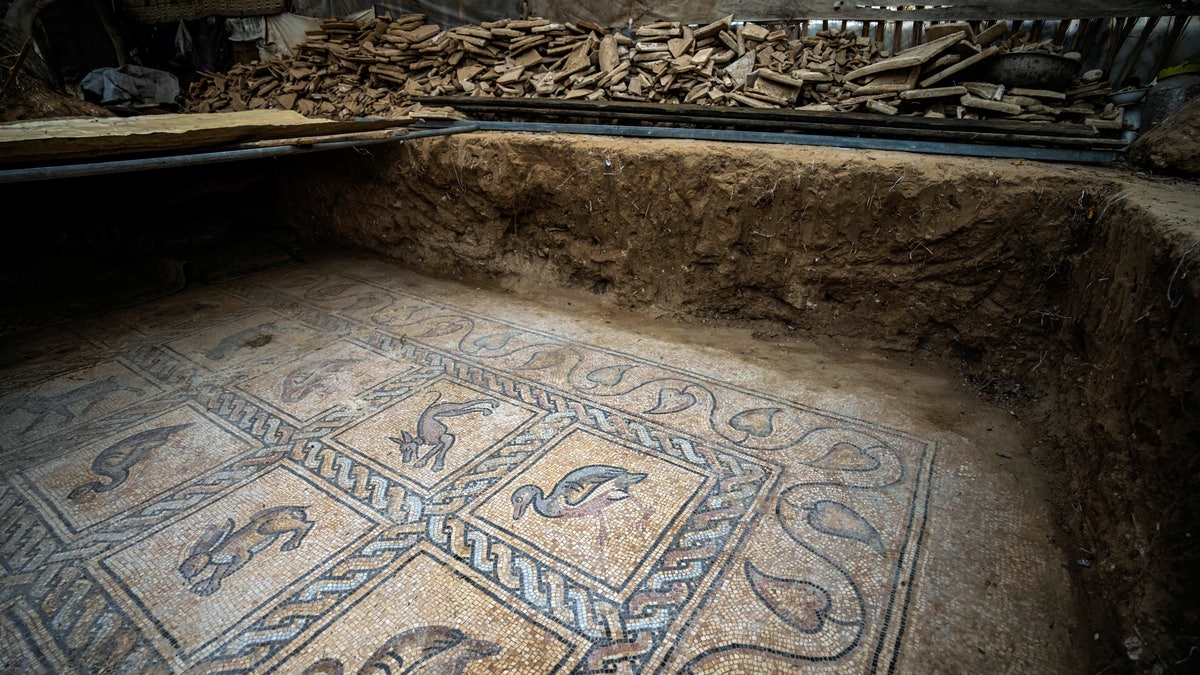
[350, 69]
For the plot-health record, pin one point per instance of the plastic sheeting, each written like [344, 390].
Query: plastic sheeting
[450, 13]
[328, 8]
[131, 84]
[246, 29]
[284, 33]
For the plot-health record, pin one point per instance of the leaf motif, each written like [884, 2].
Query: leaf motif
[442, 328]
[671, 400]
[494, 341]
[545, 359]
[608, 376]
[846, 456]
[330, 292]
[367, 301]
[839, 520]
[756, 422]
[802, 605]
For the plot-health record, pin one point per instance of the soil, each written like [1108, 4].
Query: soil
[1174, 145]
[28, 99]
[1064, 295]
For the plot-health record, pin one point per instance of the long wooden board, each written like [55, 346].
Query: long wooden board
[99, 137]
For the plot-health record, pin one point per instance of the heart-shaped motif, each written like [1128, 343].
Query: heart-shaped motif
[608, 376]
[442, 328]
[331, 292]
[367, 301]
[756, 422]
[671, 400]
[802, 605]
[494, 341]
[839, 520]
[846, 456]
[545, 359]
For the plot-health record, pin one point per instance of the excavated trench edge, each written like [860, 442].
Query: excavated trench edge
[1068, 291]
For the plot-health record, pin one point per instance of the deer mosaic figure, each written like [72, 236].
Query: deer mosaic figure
[433, 433]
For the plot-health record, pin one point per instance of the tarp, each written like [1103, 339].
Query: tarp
[131, 84]
[330, 8]
[450, 13]
[284, 33]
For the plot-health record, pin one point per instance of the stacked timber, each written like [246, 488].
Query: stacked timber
[377, 68]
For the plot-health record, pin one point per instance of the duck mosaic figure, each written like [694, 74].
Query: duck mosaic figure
[586, 491]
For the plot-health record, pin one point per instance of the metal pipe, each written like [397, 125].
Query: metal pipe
[150, 163]
[924, 147]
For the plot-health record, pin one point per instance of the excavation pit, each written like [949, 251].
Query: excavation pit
[839, 410]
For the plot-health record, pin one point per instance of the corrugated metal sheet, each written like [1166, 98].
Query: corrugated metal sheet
[618, 13]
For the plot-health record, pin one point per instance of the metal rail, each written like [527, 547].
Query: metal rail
[926, 147]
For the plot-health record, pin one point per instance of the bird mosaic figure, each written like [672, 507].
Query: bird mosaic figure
[586, 491]
[428, 650]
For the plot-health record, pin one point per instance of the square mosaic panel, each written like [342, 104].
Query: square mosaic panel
[69, 400]
[431, 614]
[130, 468]
[439, 429]
[320, 380]
[340, 473]
[255, 343]
[219, 565]
[611, 507]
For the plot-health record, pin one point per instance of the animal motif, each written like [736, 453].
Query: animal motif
[254, 336]
[428, 650]
[63, 404]
[303, 381]
[224, 551]
[586, 491]
[433, 433]
[115, 461]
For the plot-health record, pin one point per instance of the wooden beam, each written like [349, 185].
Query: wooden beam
[92, 137]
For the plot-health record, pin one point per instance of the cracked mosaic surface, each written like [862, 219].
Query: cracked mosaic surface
[319, 469]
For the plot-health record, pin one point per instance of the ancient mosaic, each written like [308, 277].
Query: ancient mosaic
[320, 471]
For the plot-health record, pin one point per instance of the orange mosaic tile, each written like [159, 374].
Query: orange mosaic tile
[332, 468]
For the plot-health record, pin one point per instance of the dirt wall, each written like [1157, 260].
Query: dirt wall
[1046, 284]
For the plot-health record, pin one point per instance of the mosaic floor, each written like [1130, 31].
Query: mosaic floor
[341, 467]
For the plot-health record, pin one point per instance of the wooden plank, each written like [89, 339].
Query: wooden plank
[910, 57]
[616, 14]
[959, 67]
[77, 138]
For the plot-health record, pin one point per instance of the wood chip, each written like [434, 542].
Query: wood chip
[995, 106]
[940, 92]
[881, 107]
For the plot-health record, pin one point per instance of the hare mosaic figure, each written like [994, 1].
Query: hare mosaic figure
[220, 551]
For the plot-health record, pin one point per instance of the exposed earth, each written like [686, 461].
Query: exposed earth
[1036, 321]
